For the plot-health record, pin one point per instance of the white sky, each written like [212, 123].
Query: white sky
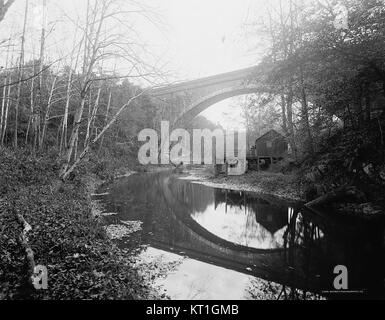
[205, 36]
[196, 38]
[226, 113]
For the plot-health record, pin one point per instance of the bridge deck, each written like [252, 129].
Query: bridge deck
[203, 82]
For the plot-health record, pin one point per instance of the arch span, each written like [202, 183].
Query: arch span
[183, 101]
[205, 102]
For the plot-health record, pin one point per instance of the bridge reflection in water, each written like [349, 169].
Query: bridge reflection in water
[253, 234]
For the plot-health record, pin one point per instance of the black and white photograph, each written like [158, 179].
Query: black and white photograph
[158, 151]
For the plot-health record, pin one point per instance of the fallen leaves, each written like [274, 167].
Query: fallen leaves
[82, 262]
[119, 231]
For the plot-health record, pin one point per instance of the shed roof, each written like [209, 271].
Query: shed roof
[271, 132]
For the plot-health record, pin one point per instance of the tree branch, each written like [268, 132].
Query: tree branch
[4, 7]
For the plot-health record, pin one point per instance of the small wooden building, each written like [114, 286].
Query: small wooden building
[269, 149]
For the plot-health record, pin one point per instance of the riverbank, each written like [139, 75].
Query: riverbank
[293, 187]
[63, 234]
[283, 186]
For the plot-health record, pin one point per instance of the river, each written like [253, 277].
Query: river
[225, 244]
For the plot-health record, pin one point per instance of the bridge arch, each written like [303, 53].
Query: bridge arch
[200, 105]
[183, 101]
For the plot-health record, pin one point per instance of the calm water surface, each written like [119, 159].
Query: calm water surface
[239, 245]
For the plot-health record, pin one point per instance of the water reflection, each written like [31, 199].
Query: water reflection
[256, 236]
[240, 218]
[195, 280]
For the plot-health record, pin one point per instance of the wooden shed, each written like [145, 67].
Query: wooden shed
[269, 149]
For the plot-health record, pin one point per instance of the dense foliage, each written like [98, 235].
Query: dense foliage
[321, 72]
[324, 75]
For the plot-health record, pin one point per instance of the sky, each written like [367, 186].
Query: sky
[195, 38]
[205, 36]
[189, 38]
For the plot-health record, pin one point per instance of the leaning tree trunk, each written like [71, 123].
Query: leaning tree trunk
[91, 118]
[65, 173]
[4, 7]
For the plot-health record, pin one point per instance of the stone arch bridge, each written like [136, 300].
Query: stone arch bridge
[182, 102]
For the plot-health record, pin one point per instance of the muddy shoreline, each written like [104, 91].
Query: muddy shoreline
[284, 187]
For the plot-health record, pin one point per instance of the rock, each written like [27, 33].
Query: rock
[368, 169]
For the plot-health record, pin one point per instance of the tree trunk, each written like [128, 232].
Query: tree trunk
[4, 7]
[65, 173]
[21, 62]
[290, 124]
[3, 133]
[92, 117]
[4, 96]
[63, 138]
[75, 132]
[31, 121]
[283, 113]
[47, 112]
[91, 46]
[88, 119]
[305, 118]
[341, 194]
[106, 119]
[40, 96]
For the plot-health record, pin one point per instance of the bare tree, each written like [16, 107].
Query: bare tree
[92, 46]
[3, 133]
[40, 96]
[64, 126]
[3, 118]
[106, 118]
[100, 135]
[102, 42]
[21, 62]
[91, 117]
[7, 100]
[47, 112]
